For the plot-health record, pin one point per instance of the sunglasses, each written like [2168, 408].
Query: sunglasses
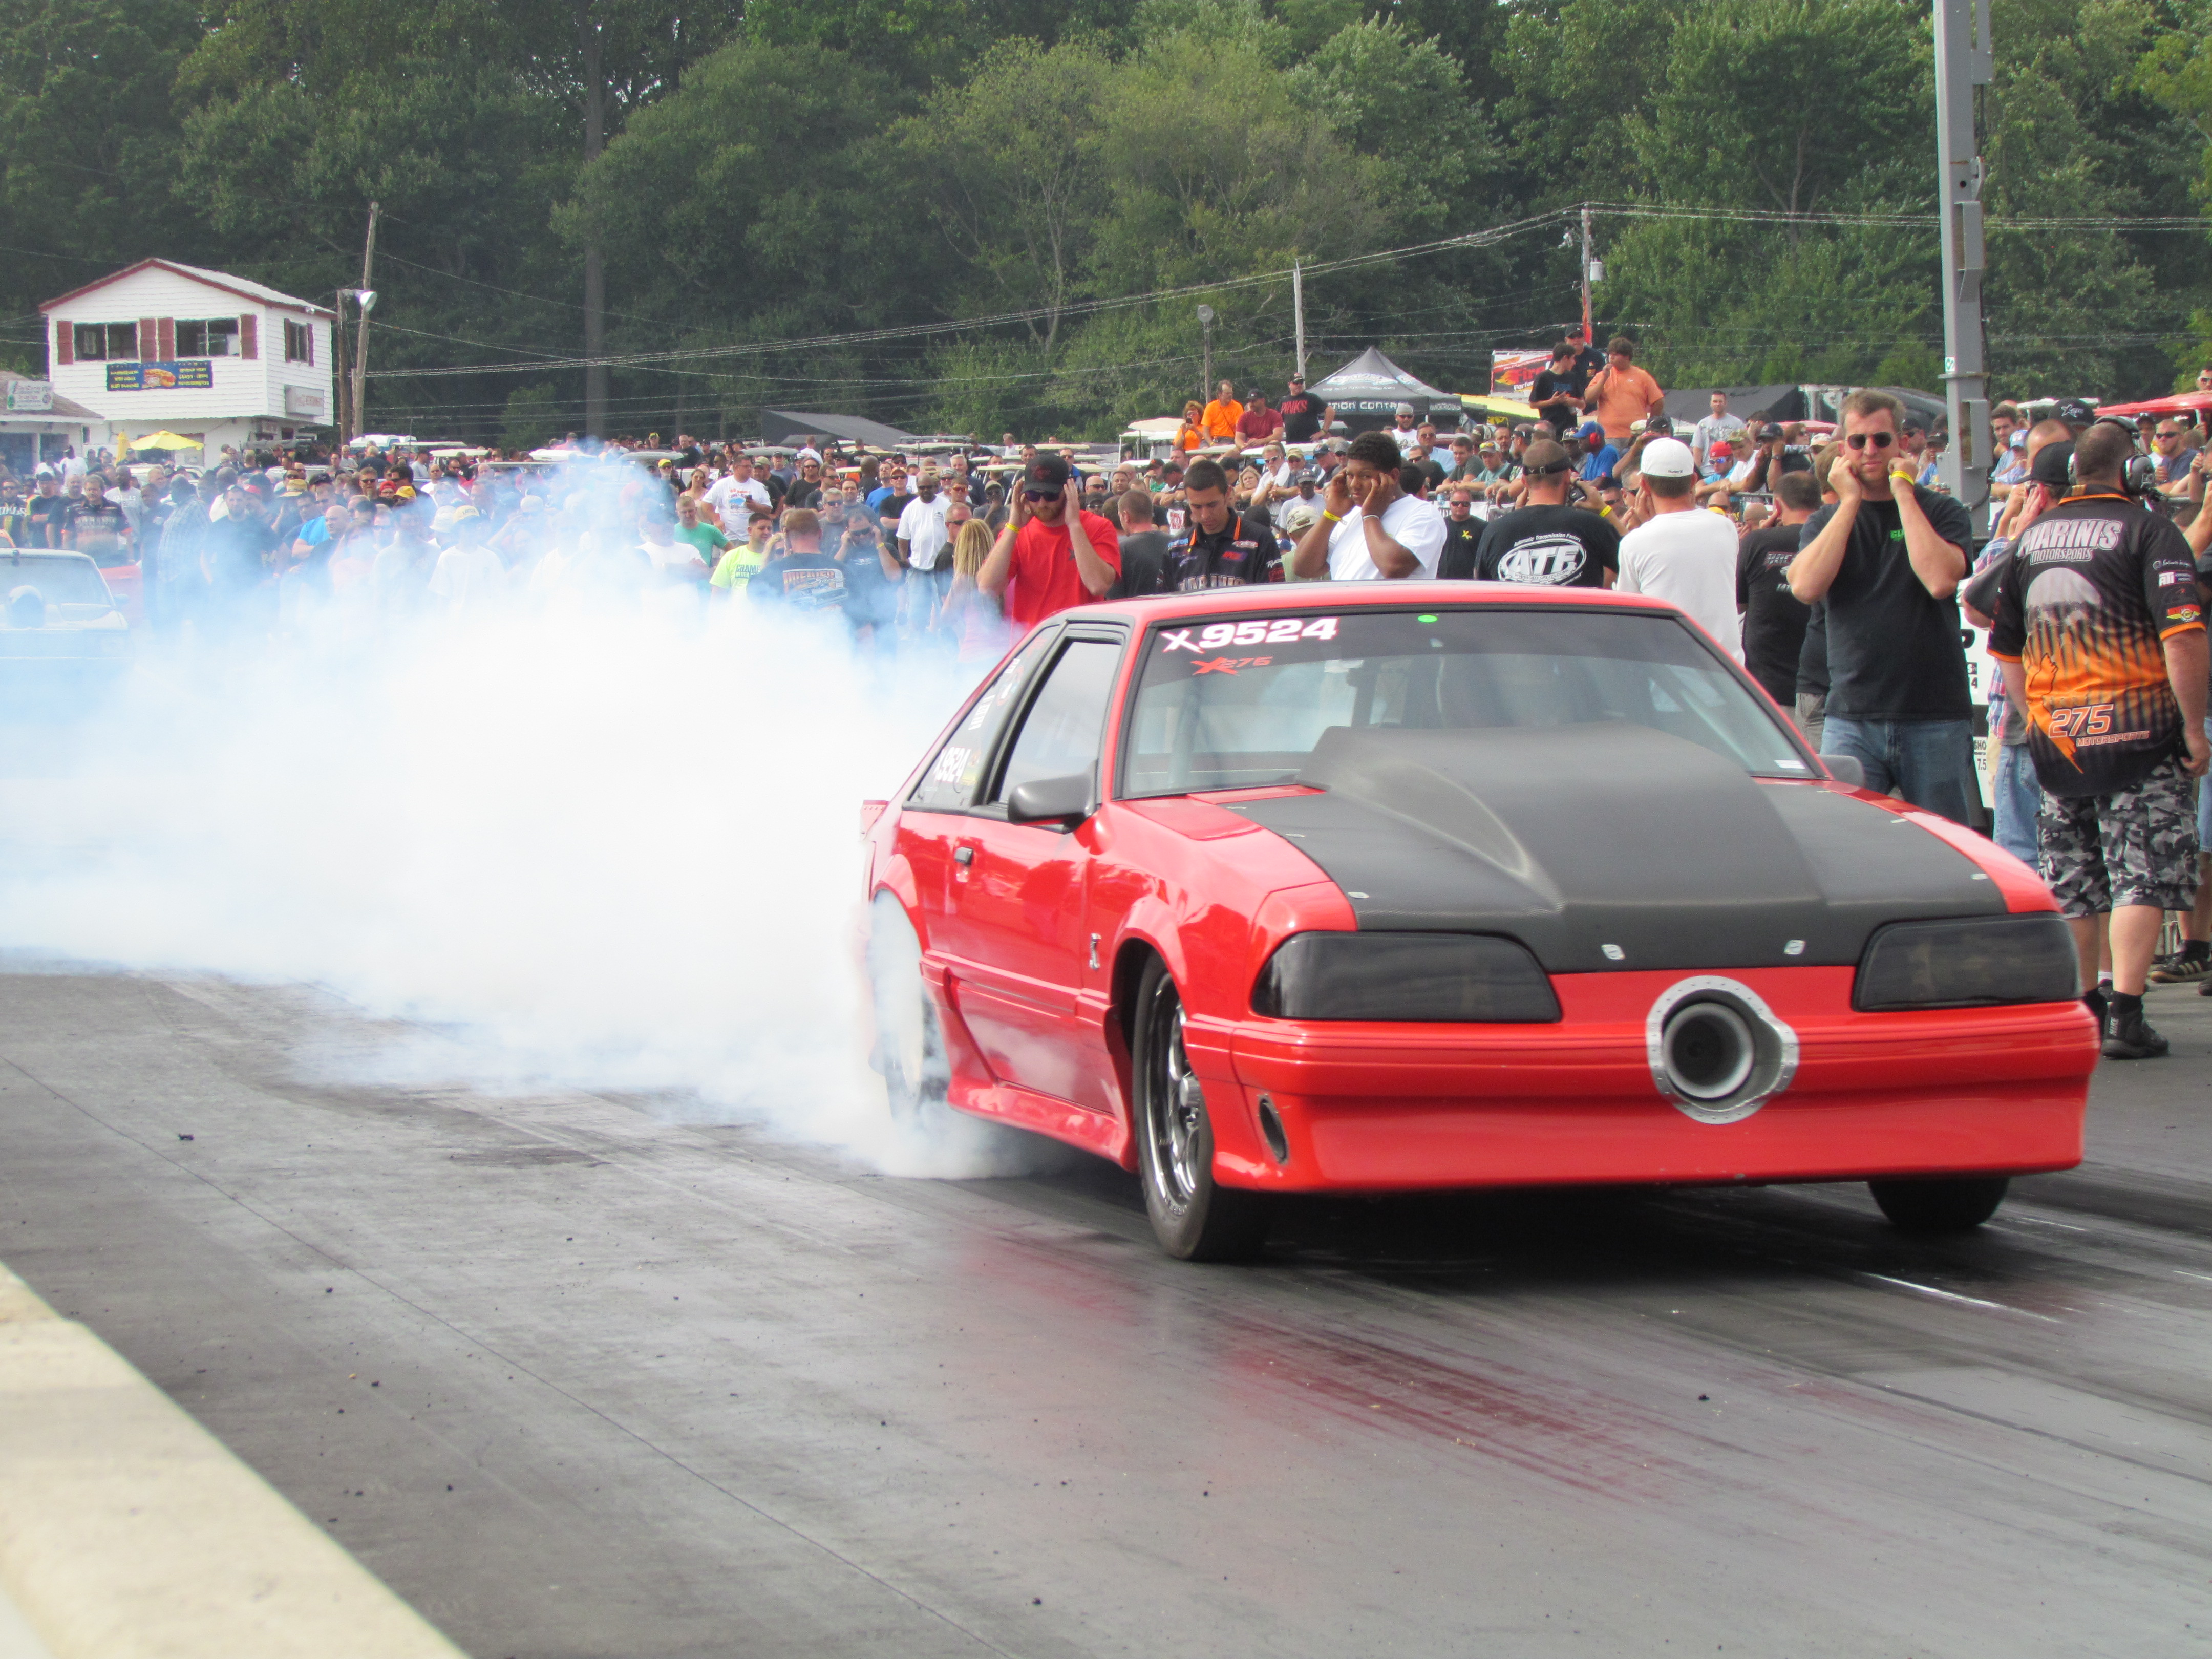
[1878, 440]
[1040, 495]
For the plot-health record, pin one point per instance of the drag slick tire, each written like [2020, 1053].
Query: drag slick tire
[909, 1042]
[1945, 1204]
[1193, 1217]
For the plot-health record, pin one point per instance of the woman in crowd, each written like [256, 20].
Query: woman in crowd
[1192, 434]
[971, 618]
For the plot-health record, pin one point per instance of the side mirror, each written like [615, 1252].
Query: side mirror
[1846, 768]
[1065, 801]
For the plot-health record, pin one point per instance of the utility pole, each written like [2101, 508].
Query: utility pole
[1589, 334]
[339, 355]
[591, 47]
[1962, 63]
[1299, 310]
[366, 297]
[1205, 373]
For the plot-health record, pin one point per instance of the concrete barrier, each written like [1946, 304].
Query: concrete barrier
[127, 1532]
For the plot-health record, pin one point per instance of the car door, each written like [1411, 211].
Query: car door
[1015, 937]
[935, 813]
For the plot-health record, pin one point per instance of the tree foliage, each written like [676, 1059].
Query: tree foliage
[807, 202]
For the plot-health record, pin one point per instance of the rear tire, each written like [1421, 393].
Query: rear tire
[1945, 1204]
[909, 1042]
[1195, 1219]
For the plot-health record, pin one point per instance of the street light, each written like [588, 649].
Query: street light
[1205, 373]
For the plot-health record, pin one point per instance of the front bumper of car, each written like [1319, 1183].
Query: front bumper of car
[1383, 1106]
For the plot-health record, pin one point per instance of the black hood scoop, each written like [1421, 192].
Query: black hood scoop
[1610, 847]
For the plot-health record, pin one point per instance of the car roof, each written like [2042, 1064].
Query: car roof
[1275, 597]
[16, 555]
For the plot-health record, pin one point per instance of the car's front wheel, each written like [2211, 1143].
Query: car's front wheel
[1192, 1216]
[1939, 1204]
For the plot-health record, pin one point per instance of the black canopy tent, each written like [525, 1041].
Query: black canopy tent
[783, 426]
[1366, 392]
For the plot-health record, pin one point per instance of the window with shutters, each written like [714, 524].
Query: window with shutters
[101, 342]
[214, 336]
[299, 343]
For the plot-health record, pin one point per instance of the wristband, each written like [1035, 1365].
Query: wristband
[1331, 518]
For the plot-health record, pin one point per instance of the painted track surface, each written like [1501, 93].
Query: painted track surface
[579, 1380]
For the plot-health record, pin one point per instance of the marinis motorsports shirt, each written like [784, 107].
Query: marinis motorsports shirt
[2095, 587]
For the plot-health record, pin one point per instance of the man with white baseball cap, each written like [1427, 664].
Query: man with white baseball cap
[1681, 553]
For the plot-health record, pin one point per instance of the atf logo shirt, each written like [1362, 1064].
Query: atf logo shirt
[2095, 584]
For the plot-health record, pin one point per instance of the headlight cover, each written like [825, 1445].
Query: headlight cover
[1429, 977]
[1972, 963]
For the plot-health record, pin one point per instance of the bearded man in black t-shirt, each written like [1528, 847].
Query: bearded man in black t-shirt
[1888, 558]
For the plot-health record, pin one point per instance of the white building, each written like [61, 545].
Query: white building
[201, 353]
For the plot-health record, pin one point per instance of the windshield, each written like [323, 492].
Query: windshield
[1239, 705]
[70, 581]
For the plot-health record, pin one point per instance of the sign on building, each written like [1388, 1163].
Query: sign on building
[159, 377]
[30, 397]
[304, 401]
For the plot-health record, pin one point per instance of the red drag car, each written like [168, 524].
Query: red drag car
[1378, 887]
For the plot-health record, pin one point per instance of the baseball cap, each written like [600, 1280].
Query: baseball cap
[2053, 466]
[1668, 458]
[1913, 423]
[1048, 471]
[1591, 429]
[1770, 431]
[2074, 411]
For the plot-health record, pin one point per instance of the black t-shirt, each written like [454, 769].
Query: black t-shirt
[1895, 650]
[2091, 592]
[870, 595]
[1557, 396]
[1301, 413]
[1462, 537]
[803, 494]
[894, 508]
[1144, 565]
[1813, 658]
[242, 547]
[1243, 552]
[805, 581]
[12, 523]
[1773, 617]
[1547, 546]
[96, 527]
[43, 520]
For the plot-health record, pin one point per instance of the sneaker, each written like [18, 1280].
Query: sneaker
[2129, 1036]
[2184, 967]
[2098, 1002]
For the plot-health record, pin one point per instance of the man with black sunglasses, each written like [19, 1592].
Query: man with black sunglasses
[1052, 555]
[1888, 558]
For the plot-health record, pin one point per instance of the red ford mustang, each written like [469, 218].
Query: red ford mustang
[1379, 887]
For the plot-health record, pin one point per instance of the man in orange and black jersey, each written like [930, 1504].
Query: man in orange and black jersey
[2100, 631]
[1222, 547]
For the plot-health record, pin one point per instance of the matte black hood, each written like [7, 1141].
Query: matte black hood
[1575, 838]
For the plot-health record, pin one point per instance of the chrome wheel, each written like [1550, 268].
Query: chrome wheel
[1193, 1215]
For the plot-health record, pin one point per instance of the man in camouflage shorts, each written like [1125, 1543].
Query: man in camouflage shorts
[2099, 626]
[2135, 846]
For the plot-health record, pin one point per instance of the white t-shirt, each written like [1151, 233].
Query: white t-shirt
[1716, 429]
[1688, 559]
[922, 524]
[726, 489]
[469, 578]
[1415, 525]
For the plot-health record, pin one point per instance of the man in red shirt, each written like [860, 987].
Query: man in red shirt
[1052, 555]
[1258, 424]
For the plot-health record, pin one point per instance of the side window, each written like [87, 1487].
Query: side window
[1065, 724]
[950, 783]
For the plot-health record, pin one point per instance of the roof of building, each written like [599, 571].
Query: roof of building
[64, 408]
[782, 425]
[244, 287]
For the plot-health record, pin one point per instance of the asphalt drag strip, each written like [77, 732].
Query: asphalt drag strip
[578, 1377]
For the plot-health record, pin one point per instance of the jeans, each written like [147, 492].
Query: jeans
[1930, 762]
[2019, 799]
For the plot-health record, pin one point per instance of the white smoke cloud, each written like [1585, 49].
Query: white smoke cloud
[598, 851]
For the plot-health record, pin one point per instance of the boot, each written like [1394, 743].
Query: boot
[2127, 1036]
